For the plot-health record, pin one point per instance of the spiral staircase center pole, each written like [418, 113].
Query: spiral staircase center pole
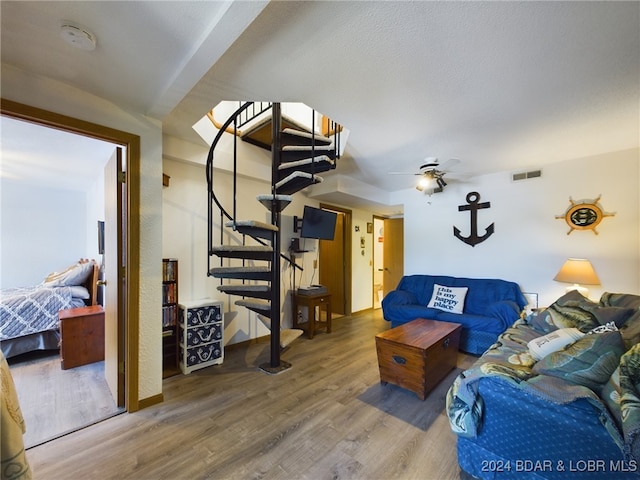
[275, 220]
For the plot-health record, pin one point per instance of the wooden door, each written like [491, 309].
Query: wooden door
[393, 253]
[332, 266]
[114, 277]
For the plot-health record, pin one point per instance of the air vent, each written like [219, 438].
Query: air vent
[526, 175]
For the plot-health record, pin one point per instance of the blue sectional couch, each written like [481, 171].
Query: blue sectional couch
[490, 306]
[573, 413]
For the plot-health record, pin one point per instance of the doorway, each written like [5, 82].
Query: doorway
[378, 261]
[334, 259]
[393, 253]
[125, 364]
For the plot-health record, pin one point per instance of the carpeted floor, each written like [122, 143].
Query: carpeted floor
[55, 401]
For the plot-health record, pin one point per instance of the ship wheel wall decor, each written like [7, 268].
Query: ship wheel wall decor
[584, 215]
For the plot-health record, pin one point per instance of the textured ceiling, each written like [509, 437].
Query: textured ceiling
[501, 86]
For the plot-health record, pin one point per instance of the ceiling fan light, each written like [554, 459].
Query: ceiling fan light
[423, 183]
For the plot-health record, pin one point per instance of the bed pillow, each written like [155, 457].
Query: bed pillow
[76, 274]
[450, 299]
[573, 310]
[590, 361]
[78, 291]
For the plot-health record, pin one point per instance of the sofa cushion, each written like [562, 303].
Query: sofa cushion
[471, 322]
[573, 310]
[590, 361]
[450, 299]
[482, 291]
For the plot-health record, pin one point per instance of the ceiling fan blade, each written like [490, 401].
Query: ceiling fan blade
[452, 162]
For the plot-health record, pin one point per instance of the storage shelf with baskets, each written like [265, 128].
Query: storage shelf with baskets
[200, 334]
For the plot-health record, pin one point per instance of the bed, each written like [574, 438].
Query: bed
[29, 315]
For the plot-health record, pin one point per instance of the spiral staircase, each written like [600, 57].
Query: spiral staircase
[250, 268]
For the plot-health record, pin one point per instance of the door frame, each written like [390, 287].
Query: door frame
[347, 239]
[374, 266]
[131, 142]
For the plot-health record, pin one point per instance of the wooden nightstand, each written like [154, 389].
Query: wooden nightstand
[311, 302]
[82, 336]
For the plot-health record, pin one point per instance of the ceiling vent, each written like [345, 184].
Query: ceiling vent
[526, 175]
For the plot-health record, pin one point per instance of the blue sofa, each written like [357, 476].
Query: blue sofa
[490, 307]
[574, 413]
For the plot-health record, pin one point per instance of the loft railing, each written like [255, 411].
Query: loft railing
[231, 124]
[245, 116]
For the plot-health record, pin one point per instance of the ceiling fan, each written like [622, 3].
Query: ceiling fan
[431, 175]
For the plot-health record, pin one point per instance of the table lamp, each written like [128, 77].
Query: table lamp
[577, 271]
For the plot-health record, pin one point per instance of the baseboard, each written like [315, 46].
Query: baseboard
[361, 312]
[150, 401]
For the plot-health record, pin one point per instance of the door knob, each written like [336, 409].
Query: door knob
[101, 283]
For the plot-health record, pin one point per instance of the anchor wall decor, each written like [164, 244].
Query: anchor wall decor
[473, 206]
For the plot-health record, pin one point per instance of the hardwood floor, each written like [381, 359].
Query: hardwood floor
[326, 417]
[55, 401]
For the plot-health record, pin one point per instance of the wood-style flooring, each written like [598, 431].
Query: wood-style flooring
[55, 401]
[328, 417]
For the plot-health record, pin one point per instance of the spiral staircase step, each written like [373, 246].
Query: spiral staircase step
[296, 181]
[253, 228]
[242, 273]
[253, 291]
[275, 203]
[248, 252]
[263, 307]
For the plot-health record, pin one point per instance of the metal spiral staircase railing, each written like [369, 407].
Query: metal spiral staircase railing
[253, 267]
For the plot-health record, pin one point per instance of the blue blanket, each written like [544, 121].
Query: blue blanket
[618, 402]
[28, 310]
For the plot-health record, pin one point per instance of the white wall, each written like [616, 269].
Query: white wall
[95, 212]
[40, 92]
[529, 244]
[43, 230]
[184, 236]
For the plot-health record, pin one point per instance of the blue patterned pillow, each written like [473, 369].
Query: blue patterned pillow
[589, 361]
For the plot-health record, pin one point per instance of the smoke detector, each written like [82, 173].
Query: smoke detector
[77, 35]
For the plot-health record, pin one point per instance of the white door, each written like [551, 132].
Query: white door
[114, 276]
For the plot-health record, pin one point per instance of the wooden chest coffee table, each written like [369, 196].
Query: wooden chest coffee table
[418, 354]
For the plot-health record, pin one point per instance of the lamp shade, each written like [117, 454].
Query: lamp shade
[578, 271]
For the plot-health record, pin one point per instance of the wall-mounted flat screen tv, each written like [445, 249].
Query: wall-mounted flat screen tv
[318, 223]
[100, 237]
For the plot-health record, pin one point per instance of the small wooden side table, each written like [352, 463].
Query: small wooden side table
[82, 336]
[311, 302]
